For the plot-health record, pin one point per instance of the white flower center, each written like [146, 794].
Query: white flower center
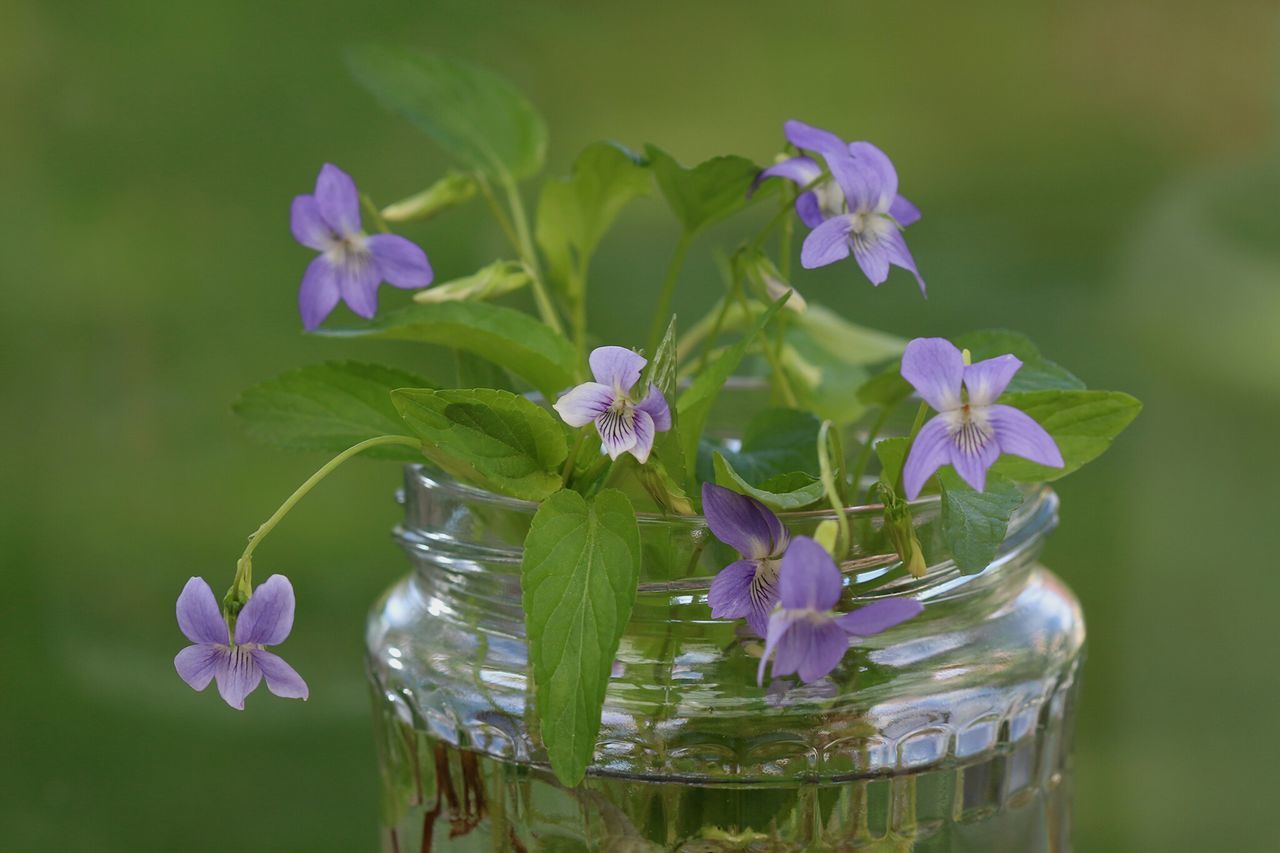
[969, 427]
[352, 249]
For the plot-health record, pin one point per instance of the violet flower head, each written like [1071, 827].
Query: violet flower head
[351, 264]
[239, 665]
[861, 212]
[971, 429]
[746, 588]
[806, 636]
[625, 424]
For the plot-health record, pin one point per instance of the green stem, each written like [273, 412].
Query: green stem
[567, 473]
[498, 213]
[374, 213]
[826, 438]
[663, 316]
[242, 586]
[771, 354]
[911, 438]
[546, 307]
[864, 457]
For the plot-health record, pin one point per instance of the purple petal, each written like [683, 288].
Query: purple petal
[879, 616]
[730, 592]
[878, 174]
[308, 225]
[199, 618]
[583, 404]
[643, 426]
[338, 200]
[742, 523]
[267, 619]
[798, 170]
[857, 181]
[827, 243]
[904, 212]
[319, 293]
[810, 649]
[929, 452]
[238, 676]
[358, 281]
[935, 368]
[971, 463]
[987, 379]
[400, 262]
[780, 624]
[617, 367]
[656, 406]
[282, 679]
[895, 249]
[197, 664]
[807, 136]
[809, 209]
[873, 257]
[808, 578]
[617, 431]
[1018, 434]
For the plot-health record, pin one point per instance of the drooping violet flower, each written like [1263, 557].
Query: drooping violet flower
[238, 665]
[971, 429]
[746, 588]
[805, 633]
[625, 425]
[862, 212]
[351, 264]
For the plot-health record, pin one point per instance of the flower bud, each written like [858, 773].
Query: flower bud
[450, 191]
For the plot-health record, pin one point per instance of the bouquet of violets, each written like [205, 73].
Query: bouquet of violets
[596, 432]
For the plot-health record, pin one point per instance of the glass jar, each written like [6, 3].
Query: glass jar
[949, 732]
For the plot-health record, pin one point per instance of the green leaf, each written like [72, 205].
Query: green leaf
[1083, 423]
[974, 523]
[892, 453]
[662, 372]
[329, 407]
[579, 577]
[472, 113]
[496, 279]
[1037, 372]
[886, 388]
[494, 439]
[777, 441]
[575, 212]
[472, 371]
[782, 492]
[509, 338]
[831, 359]
[706, 193]
[453, 189]
[695, 403]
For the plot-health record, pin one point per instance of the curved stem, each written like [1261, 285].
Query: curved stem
[546, 308]
[663, 315]
[864, 457]
[243, 582]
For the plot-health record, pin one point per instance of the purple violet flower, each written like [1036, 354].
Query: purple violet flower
[806, 634]
[971, 430]
[860, 212]
[351, 264]
[625, 425]
[238, 666]
[746, 588]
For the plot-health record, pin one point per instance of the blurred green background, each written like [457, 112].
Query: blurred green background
[1102, 175]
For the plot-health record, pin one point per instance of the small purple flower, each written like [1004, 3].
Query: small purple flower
[746, 588]
[861, 212]
[238, 666]
[625, 425]
[971, 430]
[351, 264]
[807, 635]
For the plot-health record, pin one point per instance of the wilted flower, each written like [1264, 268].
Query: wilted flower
[971, 430]
[861, 212]
[238, 665]
[806, 634]
[625, 425]
[746, 588]
[352, 264]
